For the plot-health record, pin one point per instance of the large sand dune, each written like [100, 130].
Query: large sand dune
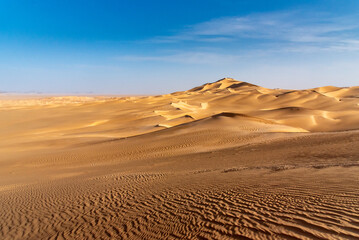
[224, 160]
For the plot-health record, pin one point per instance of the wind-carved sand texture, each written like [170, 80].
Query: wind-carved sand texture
[226, 160]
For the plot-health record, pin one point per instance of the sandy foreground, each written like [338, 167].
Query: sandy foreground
[226, 160]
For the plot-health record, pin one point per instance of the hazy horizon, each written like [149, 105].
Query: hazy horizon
[140, 47]
[94, 93]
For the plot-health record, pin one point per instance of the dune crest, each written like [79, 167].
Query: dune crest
[225, 160]
[93, 118]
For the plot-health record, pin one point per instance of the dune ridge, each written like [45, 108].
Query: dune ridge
[225, 160]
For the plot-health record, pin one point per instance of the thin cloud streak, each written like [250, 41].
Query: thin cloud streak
[238, 40]
[295, 27]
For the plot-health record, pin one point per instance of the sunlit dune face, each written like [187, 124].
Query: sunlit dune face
[224, 160]
[84, 118]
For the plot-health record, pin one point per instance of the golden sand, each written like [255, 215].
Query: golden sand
[225, 160]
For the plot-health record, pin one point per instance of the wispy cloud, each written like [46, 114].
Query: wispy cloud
[235, 39]
[315, 30]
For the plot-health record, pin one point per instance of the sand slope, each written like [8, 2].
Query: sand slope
[224, 160]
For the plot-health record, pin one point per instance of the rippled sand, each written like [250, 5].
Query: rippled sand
[224, 160]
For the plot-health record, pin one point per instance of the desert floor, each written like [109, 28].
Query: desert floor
[226, 160]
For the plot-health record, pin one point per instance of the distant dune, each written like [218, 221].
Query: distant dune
[224, 160]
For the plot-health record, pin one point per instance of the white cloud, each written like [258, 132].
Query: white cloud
[318, 31]
[257, 36]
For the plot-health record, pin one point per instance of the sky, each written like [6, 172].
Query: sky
[162, 46]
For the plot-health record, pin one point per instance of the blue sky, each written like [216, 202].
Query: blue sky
[157, 46]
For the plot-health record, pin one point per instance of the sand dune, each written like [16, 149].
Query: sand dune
[225, 160]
